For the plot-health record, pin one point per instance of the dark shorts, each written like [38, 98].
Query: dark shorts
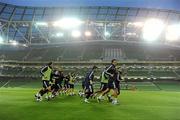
[83, 85]
[58, 86]
[103, 86]
[117, 84]
[89, 88]
[111, 85]
[66, 85]
[45, 84]
[71, 86]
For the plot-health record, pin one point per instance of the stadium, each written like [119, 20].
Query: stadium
[84, 37]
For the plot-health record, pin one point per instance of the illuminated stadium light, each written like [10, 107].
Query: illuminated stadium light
[152, 29]
[68, 23]
[136, 24]
[59, 34]
[1, 40]
[131, 34]
[41, 24]
[87, 33]
[13, 42]
[107, 34]
[24, 45]
[76, 33]
[173, 32]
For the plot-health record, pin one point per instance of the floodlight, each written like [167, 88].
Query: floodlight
[106, 33]
[131, 34]
[1, 40]
[41, 24]
[152, 29]
[87, 33]
[13, 42]
[173, 32]
[59, 34]
[76, 33]
[24, 45]
[68, 23]
[138, 24]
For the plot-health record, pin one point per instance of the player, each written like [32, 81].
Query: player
[110, 72]
[71, 82]
[88, 90]
[58, 78]
[66, 84]
[104, 84]
[46, 73]
[81, 92]
[118, 80]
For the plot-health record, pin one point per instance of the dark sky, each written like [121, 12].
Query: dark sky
[162, 4]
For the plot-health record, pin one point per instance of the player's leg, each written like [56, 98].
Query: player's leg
[101, 97]
[42, 91]
[107, 89]
[81, 92]
[49, 88]
[58, 89]
[115, 94]
[67, 89]
[118, 90]
[70, 89]
[73, 93]
[53, 89]
[88, 92]
[64, 88]
[99, 91]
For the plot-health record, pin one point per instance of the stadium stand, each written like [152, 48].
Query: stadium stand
[32, 40]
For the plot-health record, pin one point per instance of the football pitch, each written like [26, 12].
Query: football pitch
[19, 104]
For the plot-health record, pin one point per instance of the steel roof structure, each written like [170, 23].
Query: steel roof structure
[19, 22]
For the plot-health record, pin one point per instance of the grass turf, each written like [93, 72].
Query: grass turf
[19, 104]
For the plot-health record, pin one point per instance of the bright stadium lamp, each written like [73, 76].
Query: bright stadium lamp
[152, 29]
[24, 45]
[173, 32]
[41, 24]
[1, 40]
[106, 33]
[59, 34]
[138, 24]
[68, 23]
[76, 33]
[13, 42]
[87, 33]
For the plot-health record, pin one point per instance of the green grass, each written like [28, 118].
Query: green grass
[19, 104]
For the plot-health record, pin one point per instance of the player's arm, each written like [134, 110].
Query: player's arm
[106, 71]
[91, 75]
[52, 80]
[43, 70]
[118, 77]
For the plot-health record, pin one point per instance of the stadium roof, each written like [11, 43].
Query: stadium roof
[19, 19]
[158, 4]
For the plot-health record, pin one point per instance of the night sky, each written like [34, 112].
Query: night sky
[162, 4]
